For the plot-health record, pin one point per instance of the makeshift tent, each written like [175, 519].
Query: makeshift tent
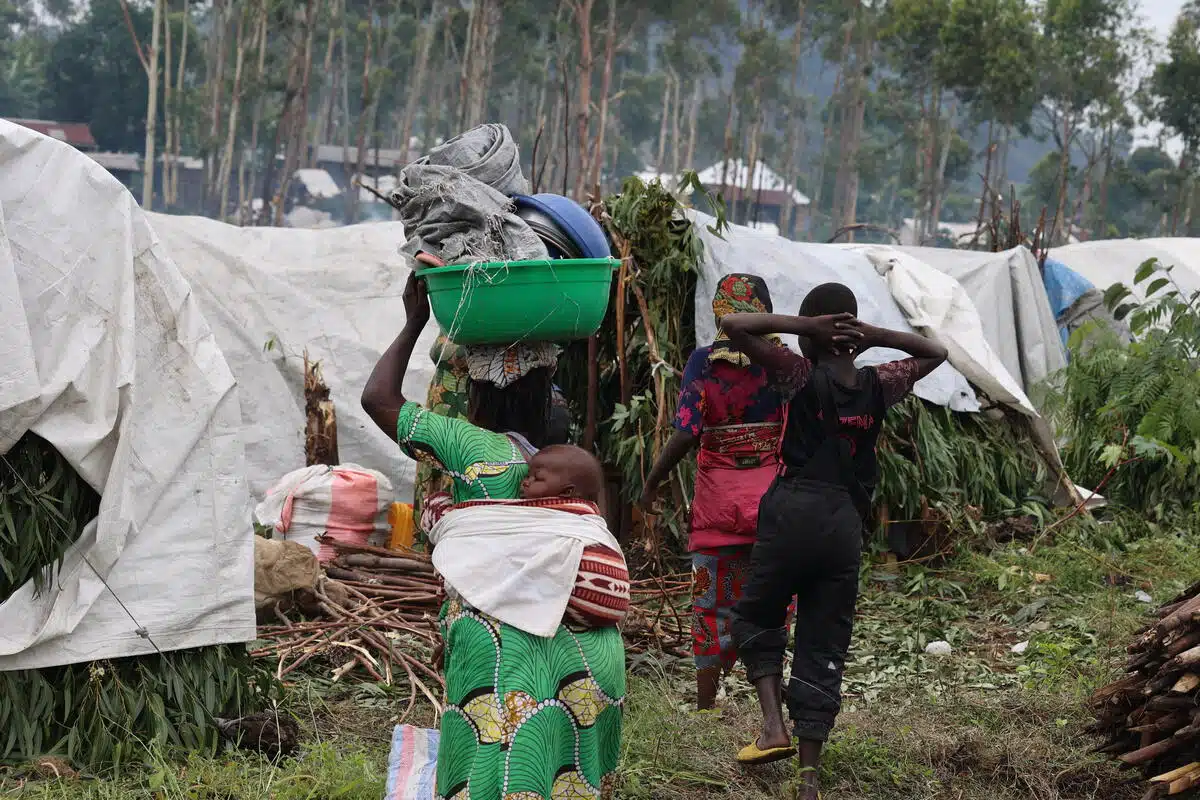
[269, 294]
[1010, 296]
[105, 354]
[1112, 261]
[898, 290]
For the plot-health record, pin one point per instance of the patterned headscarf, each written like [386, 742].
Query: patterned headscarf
[738, 294]
[503, 365]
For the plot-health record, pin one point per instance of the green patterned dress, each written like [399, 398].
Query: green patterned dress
[527, 718]
[447, 397]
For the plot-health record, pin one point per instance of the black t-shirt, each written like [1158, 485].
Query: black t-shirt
[860, 411]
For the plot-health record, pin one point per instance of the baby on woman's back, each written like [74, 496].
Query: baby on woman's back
[544, 559]
[563, 470]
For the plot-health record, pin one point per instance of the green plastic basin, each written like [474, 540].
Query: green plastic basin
[510, 301]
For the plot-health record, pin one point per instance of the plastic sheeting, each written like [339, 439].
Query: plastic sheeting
[1008, 293]
[895, 290]
[271, 293]
[1110, 261]
[791, 270]
[106, 355]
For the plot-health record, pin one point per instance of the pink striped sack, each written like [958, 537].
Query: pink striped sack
[348, 503]
[412, 764]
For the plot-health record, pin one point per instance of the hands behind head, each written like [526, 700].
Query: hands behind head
[846, 333]
[836, 333]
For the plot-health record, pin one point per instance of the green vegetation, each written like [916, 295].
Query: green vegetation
[981, 723]
[1131, 413]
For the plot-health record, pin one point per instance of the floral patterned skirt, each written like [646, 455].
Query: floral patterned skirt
[718, 575]
[528, 718]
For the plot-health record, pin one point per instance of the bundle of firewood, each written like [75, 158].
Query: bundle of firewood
[1150, 718]
[378, 613]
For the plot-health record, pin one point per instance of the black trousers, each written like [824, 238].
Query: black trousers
[810, 545]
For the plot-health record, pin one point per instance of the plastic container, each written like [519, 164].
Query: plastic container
[400, 517]
[510, 301]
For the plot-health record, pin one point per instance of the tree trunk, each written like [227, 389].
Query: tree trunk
[557, 123]
[360, 139]
[826, 138]
[1101, 229]
[298, 121]
[245, 189]
[689, 158]
[464, 78]
[1064, 174]
[676, 110]
[168, 109]
[858, 109]
[325, 102]
[850, 209]
[848, 106]
[930, 217]
[939, 178]
[482, 78]
[234, 109]
[215, 88]
[987, 177]
[583, 17]
[610, 48]
[791, 145]
[171, 165]
[727, 150]
[661, 164]
[749, 193]
[417, 88]
[151, 108]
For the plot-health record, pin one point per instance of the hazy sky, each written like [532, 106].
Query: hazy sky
[1161, 13]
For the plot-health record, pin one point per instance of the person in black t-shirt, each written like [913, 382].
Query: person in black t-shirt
[811, 520]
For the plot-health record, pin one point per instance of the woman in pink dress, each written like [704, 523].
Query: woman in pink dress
[729, 409]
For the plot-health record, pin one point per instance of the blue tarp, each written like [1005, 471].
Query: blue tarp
[1063, 287]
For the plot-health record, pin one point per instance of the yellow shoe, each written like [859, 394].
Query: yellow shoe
[752, 755]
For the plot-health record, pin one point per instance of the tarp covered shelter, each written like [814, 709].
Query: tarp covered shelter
[105, 354]
[1010, 296]
[137, 345]
[1110, 261]
[271, 293]
[896, 288]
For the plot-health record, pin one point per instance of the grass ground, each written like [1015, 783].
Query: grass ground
[983, 722]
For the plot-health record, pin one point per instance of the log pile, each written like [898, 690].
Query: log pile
[1150, 718]
[376, 612]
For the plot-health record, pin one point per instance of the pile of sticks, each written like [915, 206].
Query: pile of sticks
[1150, 718]
[378, 616]
[378, 613]
[660, 616]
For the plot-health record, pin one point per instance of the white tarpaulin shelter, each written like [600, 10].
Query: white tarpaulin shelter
[105, 354]
[1112, 261]
[895, 289]
[109, 354]
[1009, 294]
[336, 293]
[791, 269]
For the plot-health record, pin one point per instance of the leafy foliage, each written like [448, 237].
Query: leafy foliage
[44, 504]
[1131, 414]
[661, 253]
[103, 713]
[931, 454]
[100, 713]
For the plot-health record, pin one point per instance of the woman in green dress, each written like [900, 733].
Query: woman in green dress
[527, 718]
